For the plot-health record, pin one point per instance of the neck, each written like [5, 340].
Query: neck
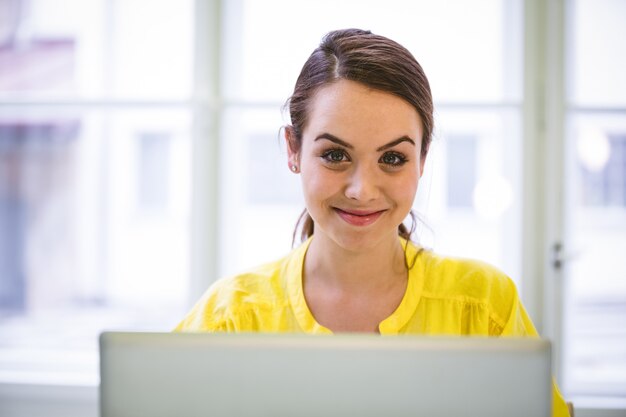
[371, 269]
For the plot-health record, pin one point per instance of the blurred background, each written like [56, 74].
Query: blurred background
[140, 160]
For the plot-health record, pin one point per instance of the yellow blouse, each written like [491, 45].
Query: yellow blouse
[444, 296]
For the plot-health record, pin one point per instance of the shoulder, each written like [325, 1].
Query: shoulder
[259, 282]
[230, 299]
[466, 279]
[233, 302]
[480, 290]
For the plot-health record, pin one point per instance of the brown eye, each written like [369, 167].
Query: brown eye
[393, 159]
[335, 156]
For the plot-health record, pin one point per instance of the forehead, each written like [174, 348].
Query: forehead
[353, 111]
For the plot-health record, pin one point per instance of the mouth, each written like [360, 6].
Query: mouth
[359, 217]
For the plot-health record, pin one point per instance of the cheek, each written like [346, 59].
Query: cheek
[322, 188]
[404, 189]
[317, 184]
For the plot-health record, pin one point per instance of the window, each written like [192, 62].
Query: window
[141, 159]
[95, 178]
[595, 179]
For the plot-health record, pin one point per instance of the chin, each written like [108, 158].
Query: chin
[359, 241]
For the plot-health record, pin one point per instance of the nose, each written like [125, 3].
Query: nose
[363, 183]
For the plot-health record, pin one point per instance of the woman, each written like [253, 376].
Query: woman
[362, 120]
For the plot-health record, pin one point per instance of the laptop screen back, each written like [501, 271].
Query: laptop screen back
[185, 374]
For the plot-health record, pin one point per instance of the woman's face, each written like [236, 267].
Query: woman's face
[359, 163]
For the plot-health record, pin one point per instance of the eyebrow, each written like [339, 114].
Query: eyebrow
[338, 141]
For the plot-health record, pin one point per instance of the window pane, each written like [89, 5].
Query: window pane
[598, 53]
[595, 303]
[97, 48]
[261, 198]
[471, 50]
[94, 210]
[461, 169]
[602, 158]
[478, 216]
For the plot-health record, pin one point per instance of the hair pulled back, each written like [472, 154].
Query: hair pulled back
[372, 60]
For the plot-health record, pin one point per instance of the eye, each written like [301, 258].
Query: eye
[393, 159]
[335, 156]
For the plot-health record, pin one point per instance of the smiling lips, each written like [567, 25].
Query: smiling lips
[359, 217]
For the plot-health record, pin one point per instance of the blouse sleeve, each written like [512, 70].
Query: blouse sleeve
[207, 315]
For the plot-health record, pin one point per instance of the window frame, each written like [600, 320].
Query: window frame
[543, 123]
[546, 110]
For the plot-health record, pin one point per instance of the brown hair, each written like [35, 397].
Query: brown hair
[372, 60]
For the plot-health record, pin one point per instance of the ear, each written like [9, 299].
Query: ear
[293, 149]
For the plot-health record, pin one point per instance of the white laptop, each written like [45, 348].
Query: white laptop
[241, 375]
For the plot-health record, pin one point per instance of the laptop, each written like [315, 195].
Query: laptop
[228, 375]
